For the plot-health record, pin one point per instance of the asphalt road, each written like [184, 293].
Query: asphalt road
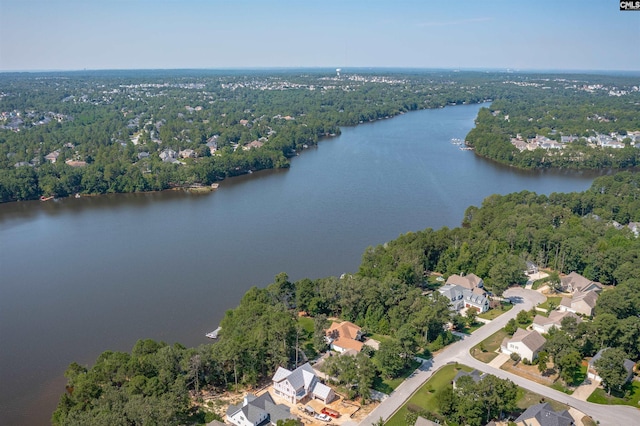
[459, 352]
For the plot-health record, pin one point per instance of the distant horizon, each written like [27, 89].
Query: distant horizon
[344, 70]
[76, 35]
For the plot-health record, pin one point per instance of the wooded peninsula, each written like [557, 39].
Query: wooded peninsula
[100, 132]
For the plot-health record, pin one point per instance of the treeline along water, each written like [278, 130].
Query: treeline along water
[81, 276]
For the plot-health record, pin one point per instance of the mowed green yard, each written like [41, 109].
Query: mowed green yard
[425, 396]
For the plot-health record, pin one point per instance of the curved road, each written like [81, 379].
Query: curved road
[618, 415]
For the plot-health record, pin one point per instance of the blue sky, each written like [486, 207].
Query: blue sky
[135, 34]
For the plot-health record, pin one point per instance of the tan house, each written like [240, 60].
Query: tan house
[543, 324]
[580, 303]
[574, 282]
[344, 336]
[469, 281]
[526, 343]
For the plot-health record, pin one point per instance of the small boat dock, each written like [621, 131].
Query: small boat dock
[214, 333]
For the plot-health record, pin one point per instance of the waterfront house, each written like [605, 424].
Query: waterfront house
[261, 410]
[526, 343]
[344, 336]
[461, 297]
[469, 281]
[296, 385]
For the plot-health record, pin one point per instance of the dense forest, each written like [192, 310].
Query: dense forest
[128, 131]
[568, 111]
[390, 294]
[101, 132]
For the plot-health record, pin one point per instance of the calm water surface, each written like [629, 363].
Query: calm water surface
[80, 276]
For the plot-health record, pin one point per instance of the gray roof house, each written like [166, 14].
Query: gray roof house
[526, 343]
[462, 297]
[258, 411]
[593, 374]
[475, 375]
[543, 415]
[574, 282]
[421, 421]
[299, 384]
[580, 303]
[543, 324]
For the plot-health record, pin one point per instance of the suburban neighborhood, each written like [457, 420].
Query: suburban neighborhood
[308, 395]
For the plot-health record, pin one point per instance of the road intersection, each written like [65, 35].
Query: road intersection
[459, 352]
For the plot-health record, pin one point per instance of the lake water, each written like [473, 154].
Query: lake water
[80, 276]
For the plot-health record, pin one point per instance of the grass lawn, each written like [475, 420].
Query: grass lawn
[495, 313]
[307, 324]
[473, 328]
[527, 398]
[555, 300]
[425, 396]
[389, 385]
[485, 350]
[599, 396]
[379, 337]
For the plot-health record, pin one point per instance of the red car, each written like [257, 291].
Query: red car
[330, 412]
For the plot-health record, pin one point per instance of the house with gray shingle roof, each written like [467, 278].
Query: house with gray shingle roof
[580, 303]
[543, 415]
[258, 411]
[526, 343]
[593, 374]
[299, 384]
[461, 297]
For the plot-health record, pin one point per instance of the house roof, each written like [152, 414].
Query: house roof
[475, 375]
[300, 377]
[555, 318]
[344, 329]
[348, 344]
[578, 282]
[421, 421]
[254, 408]
[531, 339]
[321, 390]
[546, 416]
[628, 364]
[469, 281]
[590, 298]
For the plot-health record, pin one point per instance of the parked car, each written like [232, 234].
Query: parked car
[323, 417]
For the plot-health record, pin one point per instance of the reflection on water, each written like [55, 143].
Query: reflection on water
[80, 276]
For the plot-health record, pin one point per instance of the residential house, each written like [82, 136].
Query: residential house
[475, 375]
[635, 228]
[299, 384]
[526, 343]
[593, 374]
[421, 421]
[543, 324]
[580, 303]
[469, 281]
[187, 153]
[253, 144]
[212, 143]
[575, 282]
[254, 411]
[52, 157]
[344, 336]
[461, 297]
[543, 415]
[168, 156]
[532, 268]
